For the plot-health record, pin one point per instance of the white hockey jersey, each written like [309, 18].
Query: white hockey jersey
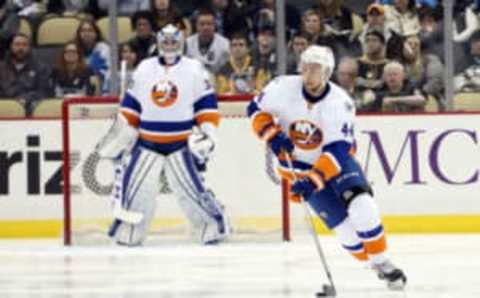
[312, 126]
[165, 102]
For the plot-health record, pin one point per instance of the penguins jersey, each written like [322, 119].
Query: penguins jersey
[321, 130]
[166, 102]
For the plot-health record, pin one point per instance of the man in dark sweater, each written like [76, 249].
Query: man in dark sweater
[21, 76]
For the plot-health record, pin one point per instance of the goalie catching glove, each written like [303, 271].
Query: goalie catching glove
[202, 142]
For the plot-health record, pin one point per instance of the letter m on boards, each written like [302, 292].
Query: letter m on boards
[408, 151]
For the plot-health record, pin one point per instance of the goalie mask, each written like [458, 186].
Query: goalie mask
[170, 43]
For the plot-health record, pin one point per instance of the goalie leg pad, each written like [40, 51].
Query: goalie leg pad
[204, 212]
[139, 187]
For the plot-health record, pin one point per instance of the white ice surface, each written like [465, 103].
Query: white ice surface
[442, 266]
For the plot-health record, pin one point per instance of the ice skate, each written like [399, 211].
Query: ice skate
[395, 278]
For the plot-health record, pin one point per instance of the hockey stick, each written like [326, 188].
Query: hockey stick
[123, 78]
[119, 212]
[328, 290]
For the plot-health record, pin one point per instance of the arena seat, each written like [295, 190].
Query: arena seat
[25, 28]
[11, 108]
[432, 105]
[48, 108]
[466, 102]
[357, 24]
[123, 26]
[56, 31]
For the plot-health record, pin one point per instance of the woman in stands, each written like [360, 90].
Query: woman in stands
[96, 51]
[128, 53]
[71, 76]
[166, 13]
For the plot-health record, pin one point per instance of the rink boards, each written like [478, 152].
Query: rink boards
[424, 170]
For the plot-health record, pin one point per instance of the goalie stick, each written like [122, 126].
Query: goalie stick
[328, 289]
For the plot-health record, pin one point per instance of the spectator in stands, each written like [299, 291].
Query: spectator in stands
[312, 26]
[375, 21]
[418, 3]
[237, 75]
[402, 17]
[371, 64]
[431, 31]
[21, 76]
[424, 70]
[398, 94]
[96, 51]
[321, 34]
[230, 16]
[209, 47]
[67, 7]
[32, 9]
[346, 77]
[9, 25]
[145, 41]
[466, 13]
[71, 76]
[338, 17]
[264, 57]
[125, 7]
[468, 79]
[298, 43]
[337, 31]
[128, 55]
[166, 12]
[264, 16]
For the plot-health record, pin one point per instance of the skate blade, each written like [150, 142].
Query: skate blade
[397, 285]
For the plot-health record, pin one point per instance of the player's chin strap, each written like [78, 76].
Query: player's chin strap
[328, 290]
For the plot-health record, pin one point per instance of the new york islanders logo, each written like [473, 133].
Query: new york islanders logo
[305, 134]
[164, 94]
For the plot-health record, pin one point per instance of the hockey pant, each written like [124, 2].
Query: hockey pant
[356, 221]
[137, 185]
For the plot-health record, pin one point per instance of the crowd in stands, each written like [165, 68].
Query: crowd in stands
[389, 56]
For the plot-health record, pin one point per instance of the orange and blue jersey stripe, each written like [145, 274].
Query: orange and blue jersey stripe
[165, 132]
[205, 109]
[374, 240]
[131, 109]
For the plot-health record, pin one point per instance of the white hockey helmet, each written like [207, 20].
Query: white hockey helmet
[170, 43]
[319, 55]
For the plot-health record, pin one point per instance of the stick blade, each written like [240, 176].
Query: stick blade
[328, 291]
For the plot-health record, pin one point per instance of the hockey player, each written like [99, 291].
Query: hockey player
[167, 122]
[311, 119]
